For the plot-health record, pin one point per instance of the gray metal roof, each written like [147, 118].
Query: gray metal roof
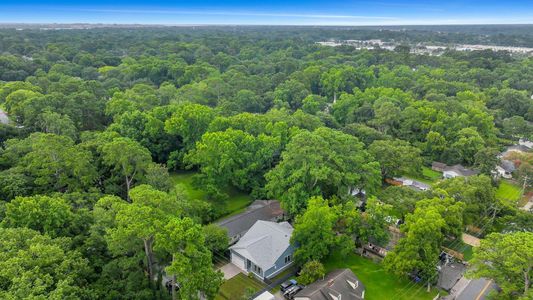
[266, 210]
[264, 243]
[459, 169]
[341, 284]
[507, 165]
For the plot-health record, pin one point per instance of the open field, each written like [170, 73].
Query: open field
[236, 203]
[379, 283]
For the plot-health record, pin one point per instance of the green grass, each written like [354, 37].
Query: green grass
[508, 192]
[235, 204]
[428, 176]
[235, 288]
[379, 283]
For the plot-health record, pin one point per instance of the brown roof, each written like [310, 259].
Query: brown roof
[259, 210]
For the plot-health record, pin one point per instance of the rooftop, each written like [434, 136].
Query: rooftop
[264, 243]
[265, 210]
[338, 284]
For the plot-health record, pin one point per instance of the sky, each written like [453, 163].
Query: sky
[269, 12]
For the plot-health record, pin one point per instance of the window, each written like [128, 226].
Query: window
[288, 259]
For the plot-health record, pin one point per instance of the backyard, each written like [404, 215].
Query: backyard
[238, 286]
[379, 283]
[235, 204]
[508, 192]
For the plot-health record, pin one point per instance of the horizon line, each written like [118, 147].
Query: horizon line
[252, 24]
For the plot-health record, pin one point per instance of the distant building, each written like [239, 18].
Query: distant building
[438, 166]
[514, 149]
[458, 171]
[526, 143]
[505, 169]
[452, 171]
[414, 184]
[339, 284]
[265, 250]
[259, 210]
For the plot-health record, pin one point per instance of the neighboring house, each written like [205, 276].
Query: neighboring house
[414, 184]
[526, 143]
[514, 149]
[238, 225]
[438, 166]
[339, 284]
[457, 171]
[505, 169]
[264, 250]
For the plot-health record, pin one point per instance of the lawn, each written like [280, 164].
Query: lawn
[236, 203]
[428, 176]
[235, 288]
[379, 283]
[508, 192]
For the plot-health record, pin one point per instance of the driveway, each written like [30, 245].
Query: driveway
[230, 270]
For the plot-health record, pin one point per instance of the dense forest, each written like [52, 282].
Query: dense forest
[101, 120]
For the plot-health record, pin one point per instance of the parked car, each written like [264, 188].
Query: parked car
[287, 284]
[289, 294]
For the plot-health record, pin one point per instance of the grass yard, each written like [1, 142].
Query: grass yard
[428, 176]
[235, 288]
[508, 192]
[236, 203]
[379, 283]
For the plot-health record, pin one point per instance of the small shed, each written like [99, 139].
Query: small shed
[265, 296]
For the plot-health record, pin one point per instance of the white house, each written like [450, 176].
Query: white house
[456, 171]
[264, 250]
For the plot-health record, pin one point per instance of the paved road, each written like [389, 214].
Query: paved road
[476, 290]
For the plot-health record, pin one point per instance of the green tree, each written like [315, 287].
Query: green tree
[35, 266]
[52, 162]
[424, 232]
[314, 231]
[508, 260]
[234, 157]
[216, 238]
[189, 122]
[311, 272]
[49, 215]
[312, 104]
[324, 163]
[128, 158]
[373, 224]
[468, 143]
[396, 157]
[138, 222]
[191, 259]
